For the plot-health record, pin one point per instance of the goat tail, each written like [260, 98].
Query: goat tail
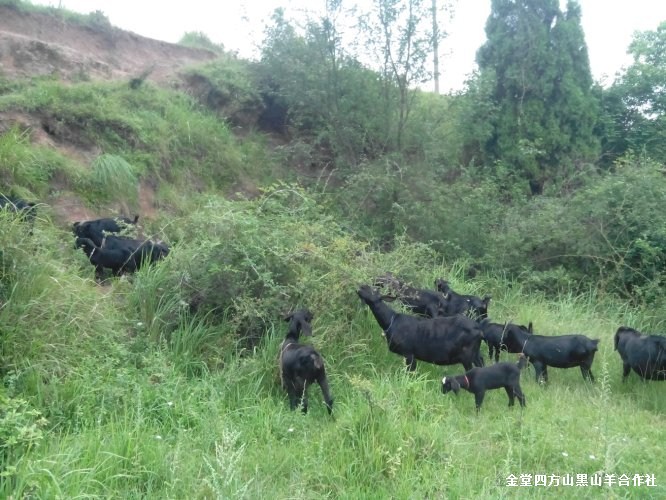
[522, 361]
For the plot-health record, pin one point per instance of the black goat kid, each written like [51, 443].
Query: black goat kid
[479, 380]
[301, 365]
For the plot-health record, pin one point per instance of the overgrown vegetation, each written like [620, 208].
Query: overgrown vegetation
[287, 183]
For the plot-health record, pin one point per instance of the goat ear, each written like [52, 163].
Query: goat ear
[288, 317]
[306, 328]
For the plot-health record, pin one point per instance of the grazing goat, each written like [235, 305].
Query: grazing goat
[301, 365]
[471, 305]
[118, 260]
[479, 380]
[121, 254]
[563, 351]
[441, 341]
[645, 354]
[97, 229]
[427, 303]
[493, 334]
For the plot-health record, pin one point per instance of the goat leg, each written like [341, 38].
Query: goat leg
[478, 398]
[326, 391]
[626, 369]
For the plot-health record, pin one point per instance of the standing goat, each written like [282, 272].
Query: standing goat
[562, 351]
[301, 365]
[427, 303]
[645, 354]
[441, 341]
[471, 305]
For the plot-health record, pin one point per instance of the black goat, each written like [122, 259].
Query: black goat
[427, 303]
[645, 354]
[479, 380]
[441, 341]
[96, 230]
[119, 260]
[121, 254]
[563, 351]
[457, 303]
[493, 334]
[301, 365]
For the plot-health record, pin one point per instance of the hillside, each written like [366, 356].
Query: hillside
[277, 187]
[40, 44]
[49, 52]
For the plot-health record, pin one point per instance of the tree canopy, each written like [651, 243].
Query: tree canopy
[536, 64]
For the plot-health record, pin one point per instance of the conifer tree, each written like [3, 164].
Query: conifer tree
[536, 57]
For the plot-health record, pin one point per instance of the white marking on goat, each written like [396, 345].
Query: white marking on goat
[444, 380]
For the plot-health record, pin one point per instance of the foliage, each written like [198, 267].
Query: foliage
[227, 86]
[21, 429]
[312, 83]
[536, 59]
[400, 35]
[200, 40]
[635, 106]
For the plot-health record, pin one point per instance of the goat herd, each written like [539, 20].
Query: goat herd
[446, 328]
[102, 240]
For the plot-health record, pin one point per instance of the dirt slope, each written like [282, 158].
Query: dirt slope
[36, 44]
[45, 44]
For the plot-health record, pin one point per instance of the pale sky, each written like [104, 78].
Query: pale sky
[239, 25]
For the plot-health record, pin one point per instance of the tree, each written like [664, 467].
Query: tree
[536, 60]
[400, 33]
[635, 106]
[313, 85]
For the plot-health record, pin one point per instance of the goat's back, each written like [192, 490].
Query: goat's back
[301, 361]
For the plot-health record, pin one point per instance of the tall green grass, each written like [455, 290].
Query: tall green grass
[124, 390]
[164, 134]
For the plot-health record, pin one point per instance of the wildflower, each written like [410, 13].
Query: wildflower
[565, 454]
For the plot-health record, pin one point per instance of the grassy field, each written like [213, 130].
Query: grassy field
[101, 403]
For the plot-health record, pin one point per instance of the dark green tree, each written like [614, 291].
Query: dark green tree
[536, 61]
[635, 106]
